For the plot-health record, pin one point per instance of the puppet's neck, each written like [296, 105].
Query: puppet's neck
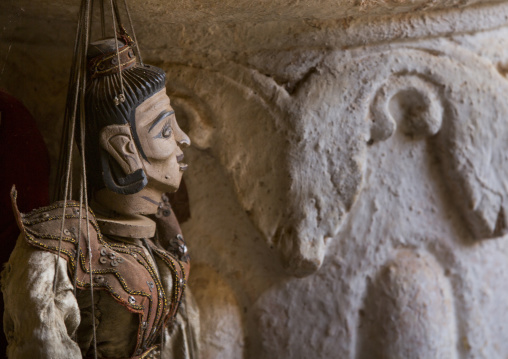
[125, 215]
[145, 202]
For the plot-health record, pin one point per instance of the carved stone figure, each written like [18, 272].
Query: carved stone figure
[130, 250]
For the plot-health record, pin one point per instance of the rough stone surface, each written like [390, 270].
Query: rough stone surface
[408, 311]
[347, 184]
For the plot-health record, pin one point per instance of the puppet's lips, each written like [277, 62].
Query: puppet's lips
[183, 167]
[179, 158]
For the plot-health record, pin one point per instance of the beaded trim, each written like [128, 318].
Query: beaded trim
[109, 62]
[164, 312]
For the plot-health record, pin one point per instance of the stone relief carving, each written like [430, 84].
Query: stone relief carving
[350, 146]
[440, 96]
[409, 311]
[271, 186]
[224, 336]
[310, 135]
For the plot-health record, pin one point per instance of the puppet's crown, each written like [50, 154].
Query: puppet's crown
[104, 59]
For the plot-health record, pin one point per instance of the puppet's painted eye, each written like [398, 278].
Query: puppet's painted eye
[166, 131]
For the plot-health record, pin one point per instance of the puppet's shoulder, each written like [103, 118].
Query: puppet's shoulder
[58, 228]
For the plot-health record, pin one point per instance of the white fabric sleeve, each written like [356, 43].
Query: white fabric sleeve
[37, 322]
[183, 341]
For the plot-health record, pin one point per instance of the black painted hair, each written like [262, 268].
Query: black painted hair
[139, 82]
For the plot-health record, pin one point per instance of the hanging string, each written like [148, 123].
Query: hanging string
[138, 53]
[92, 7]
[78, 249]
[75, 279]
[69, 194]
[116, 17]
[69, 148]
[117, 14]
[77, 95]
[87, 31]
[72, 89]
[89, 246]
[103, 20]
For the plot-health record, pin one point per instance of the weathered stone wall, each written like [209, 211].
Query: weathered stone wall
[347, 182]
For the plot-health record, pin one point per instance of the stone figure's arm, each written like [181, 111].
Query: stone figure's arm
[37, 322]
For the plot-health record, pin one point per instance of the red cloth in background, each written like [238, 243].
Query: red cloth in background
[24, 162]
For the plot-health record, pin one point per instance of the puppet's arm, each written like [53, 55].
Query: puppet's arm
[37, 322]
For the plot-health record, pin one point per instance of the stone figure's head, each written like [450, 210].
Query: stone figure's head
[132, 137]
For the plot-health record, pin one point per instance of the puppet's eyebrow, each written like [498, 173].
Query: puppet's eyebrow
[159, 118]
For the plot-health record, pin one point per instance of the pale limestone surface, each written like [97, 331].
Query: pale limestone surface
[348, 171]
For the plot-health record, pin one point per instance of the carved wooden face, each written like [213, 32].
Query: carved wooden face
[162, 141]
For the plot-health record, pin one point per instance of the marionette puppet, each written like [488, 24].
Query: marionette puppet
[105, 276]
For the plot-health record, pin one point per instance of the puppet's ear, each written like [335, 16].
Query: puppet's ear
[121, 164]
[117, 141]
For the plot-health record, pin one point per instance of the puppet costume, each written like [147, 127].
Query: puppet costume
[138, 288]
